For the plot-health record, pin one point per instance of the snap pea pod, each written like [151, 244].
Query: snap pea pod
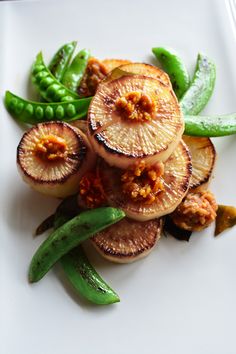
[78, 270]
[45, 225]
[49, 87]
[61, 60]
[70, 235]
[66, 210]
[201, 87]
[75, 71]
[85, 279]
[36, 112]
[210, 126]
[76, 265]
[175, 68]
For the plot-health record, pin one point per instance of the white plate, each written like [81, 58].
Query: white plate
[181, 299]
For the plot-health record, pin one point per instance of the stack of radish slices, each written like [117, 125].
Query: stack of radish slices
[130, 153]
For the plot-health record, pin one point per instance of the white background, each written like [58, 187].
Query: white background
[182, 298]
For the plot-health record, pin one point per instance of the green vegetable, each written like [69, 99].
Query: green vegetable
[85, 279]
[70, 235]
[36, 112]
[175, 68]
[210, 126]
[76, 266]
[201, 87]
[49, 87]
[75, 71]
[66, 210]
[61, 60]
[45, 225]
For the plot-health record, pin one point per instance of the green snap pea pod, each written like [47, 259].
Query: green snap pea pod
[45, 225]
[76, 265]
[210, 126]
[66, 210]
[36, 112]
[61, 60]
[75, 71]
[201, 87]
[70, 235]
[175, 68]
[85, 279]
[49, 87]
[78, 270]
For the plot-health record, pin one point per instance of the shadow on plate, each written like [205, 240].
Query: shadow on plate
[27, 209]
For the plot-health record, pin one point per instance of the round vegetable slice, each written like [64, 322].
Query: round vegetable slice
[53, 156]
[147, 70]
[175, 181]
[129, 240]
[203, 156]
[134, 118]
[111, 64]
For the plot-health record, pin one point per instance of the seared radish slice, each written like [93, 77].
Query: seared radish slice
[158, 199]
[53, 156]
[80, 124]
[128, 240]
[111, 64]
[203, 156]
[134, 118]
[147, 70]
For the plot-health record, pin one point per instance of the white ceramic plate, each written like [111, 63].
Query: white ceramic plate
[181, 299]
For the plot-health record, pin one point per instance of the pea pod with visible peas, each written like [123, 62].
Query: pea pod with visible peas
[70, 235]
[75, 70]
[175, 68]
[49, 87]
[36, 112]
[61, 60]
[201, 87]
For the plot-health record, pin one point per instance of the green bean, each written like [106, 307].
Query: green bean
[61, 60]
[201, 87]
[85, 279]
[175, 68]
[75, 71]
[36, 112]
[49, 87]
[70, 235]
[210, 126]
